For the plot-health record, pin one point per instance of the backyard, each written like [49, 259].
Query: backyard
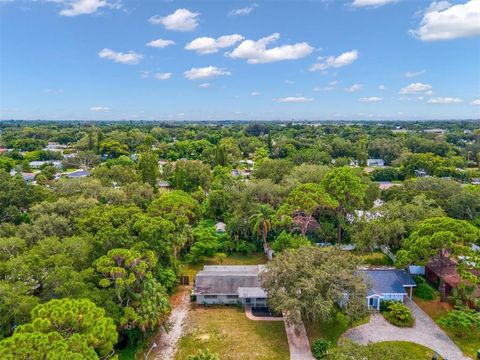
[227, 331]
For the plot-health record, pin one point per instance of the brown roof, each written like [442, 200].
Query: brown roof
[445, 268]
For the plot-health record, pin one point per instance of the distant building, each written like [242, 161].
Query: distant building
[39, 164]
[220, 227]
[375, 162]
[435, 131]
[475, 181]
[77, 174]
[230, 284]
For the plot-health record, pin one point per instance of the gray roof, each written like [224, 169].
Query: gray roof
[227, 279]
[251, 292]
[390, 281]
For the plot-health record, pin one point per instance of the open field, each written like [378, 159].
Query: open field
[227, 331]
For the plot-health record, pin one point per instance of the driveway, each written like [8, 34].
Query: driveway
[425, 332]
[167, 341]
[298, 342]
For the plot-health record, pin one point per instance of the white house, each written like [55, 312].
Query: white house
[388, 284]
[229, 285]
[376, 162]
[39, 164]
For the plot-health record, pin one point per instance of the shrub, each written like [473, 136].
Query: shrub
[204, 355]
[424, 290]
[462, 321]
[398, 314]
[320, 348]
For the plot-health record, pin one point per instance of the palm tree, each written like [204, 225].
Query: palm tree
[261, 222]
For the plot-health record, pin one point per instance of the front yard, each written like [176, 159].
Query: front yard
[227, 331]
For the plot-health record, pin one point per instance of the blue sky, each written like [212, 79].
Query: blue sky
[263, 60]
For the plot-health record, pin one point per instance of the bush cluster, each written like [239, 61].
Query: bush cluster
[396, 313]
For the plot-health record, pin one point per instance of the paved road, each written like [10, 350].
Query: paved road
[425, 332]
[167, 342]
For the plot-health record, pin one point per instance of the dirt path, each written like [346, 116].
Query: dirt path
[167, 342]
[425, 332]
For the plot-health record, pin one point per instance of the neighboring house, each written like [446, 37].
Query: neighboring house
[446, 269]
[77, 174]
[388, 284]
[220, 227]
[435, 131]
[163, 185]
[39, 164]
[230, 284]
[28, 177]
[375, 162]
[475, 181]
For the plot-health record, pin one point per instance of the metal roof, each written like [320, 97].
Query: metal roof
[388, 281]
[251, 292]
[227, 279]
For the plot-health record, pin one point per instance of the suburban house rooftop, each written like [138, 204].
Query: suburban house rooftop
[389, 281]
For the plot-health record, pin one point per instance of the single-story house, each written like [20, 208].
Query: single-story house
[375, 162]
[388, 284]
[230, 284]
[77, 174]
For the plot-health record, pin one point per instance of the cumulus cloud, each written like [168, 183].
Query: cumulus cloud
[160, 43]
[354, 88]
[370, 99]
[130, 58]
[243, 11]
[99, 109]
[163, 76]
[476, 102]
[204, 85]
[344, 59]
[444, 21]
[411, 74]
[371, 3]
[208, 45]
[255, 93]
[180, 20]
[293, 99]
[205, 73]
[444, 100]
[256, 52]
[83, 7]
[416, 89]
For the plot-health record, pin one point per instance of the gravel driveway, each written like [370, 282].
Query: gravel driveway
[425, 332]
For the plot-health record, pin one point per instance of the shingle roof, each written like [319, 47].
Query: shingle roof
[388, 281]
[251, 292]
[227, 279]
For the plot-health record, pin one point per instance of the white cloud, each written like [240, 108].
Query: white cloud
[163, 76]
[371, 3]
[204, 85]
[99, 109]
[180, 20]
[160, 43]
[205, 72]
[255, 93]
[444, 100]
[370, 99]
[293, 99]
[83, 7]
[256, 52]
[354, 88]
[382, 87]
[208, 45]
[243, 11]
[417, 88]
[344, 59]
[331, 86]
[444, 21]
[476, 102]
[130, 58]
[411, 74]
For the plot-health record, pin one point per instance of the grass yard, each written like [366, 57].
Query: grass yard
[227, 332]
[415, 351]
[377, 258]
[331, 330]
[232, 259]
[436, 309]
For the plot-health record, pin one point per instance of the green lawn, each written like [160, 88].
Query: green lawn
[228, 332]
[330, 330]
[376, 258]
[436, 309]
[415, 351]
[232, 259]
